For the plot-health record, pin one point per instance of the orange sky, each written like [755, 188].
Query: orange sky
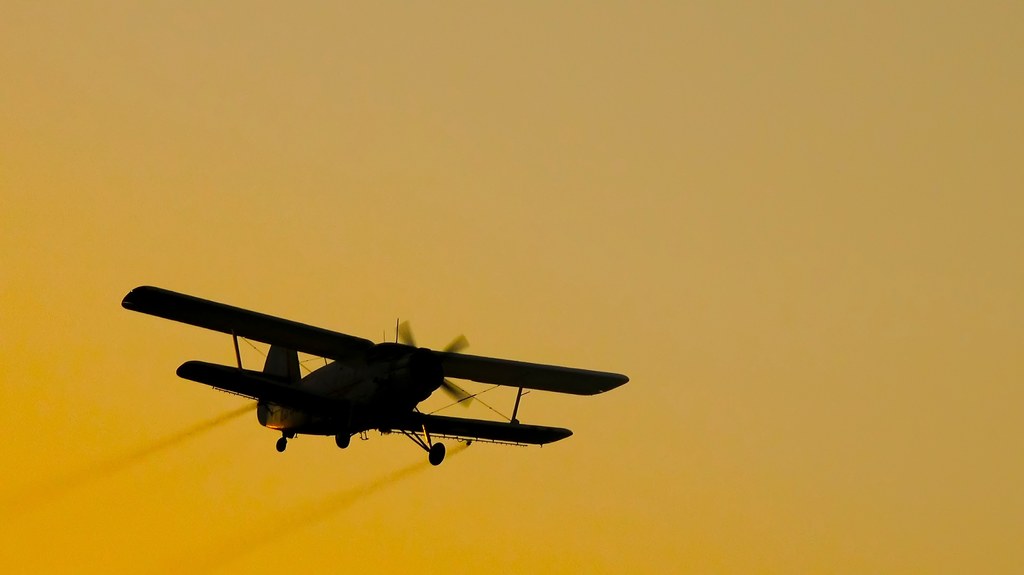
[796, 227]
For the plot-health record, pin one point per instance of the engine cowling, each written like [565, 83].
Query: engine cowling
[410, 374]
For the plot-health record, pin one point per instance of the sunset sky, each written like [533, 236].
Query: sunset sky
[798, 227]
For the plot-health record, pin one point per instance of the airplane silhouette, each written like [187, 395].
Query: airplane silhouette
[367, 385]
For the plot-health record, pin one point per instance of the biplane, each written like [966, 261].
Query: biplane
[362, 385]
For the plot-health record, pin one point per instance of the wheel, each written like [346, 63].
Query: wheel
[342, 439]
[436, 454]
[282, 444]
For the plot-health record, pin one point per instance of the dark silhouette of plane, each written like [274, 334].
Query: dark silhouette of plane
[367, 385]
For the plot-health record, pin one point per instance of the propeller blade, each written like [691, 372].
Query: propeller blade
[456, 392]
[458, 344]
[405, 334]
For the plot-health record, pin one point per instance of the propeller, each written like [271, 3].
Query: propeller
[405, 334]
[455, 346]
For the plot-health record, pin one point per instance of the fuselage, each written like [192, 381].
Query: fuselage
[389, 380]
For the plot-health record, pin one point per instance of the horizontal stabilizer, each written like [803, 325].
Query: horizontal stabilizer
[529, 375]
[244, 323]
[477, 429]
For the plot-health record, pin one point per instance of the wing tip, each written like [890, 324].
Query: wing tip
[195, 370]
[136, 298]
[562, 433]
[614, 380]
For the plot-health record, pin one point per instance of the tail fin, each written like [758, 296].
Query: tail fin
[283, 362]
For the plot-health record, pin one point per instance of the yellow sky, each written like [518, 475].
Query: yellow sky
[796, 227]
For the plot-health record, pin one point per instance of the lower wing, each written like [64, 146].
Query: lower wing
[256, 385]
[463, 428]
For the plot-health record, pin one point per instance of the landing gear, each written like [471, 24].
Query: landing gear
[342, 439]
[436, 454]
[435, 451]
[282, 444]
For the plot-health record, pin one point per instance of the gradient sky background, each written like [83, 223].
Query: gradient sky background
[796, 226]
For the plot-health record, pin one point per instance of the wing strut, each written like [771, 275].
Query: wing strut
[515, 410]
[238, 354]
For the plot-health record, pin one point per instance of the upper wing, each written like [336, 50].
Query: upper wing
[477, 429]
[244, 323]
[529, 375]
